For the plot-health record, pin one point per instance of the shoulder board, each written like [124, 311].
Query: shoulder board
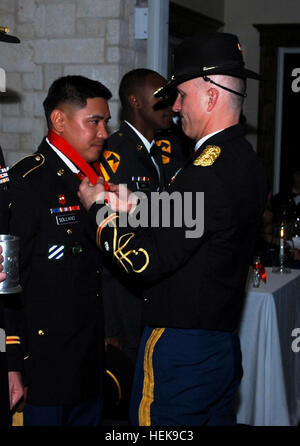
[28, 164]
[208, 156]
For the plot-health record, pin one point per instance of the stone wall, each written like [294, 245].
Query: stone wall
[93, 38]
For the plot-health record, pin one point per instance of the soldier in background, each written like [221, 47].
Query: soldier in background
[10, 349]
[144, 153]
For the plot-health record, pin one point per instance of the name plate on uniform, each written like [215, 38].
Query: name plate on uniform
[66, 219]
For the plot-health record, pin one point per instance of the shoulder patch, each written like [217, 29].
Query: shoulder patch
[112, 158]
[29, 164]
[208, 156]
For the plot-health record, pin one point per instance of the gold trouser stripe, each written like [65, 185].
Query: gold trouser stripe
[116, 382]
[17, 419]
[148, 387]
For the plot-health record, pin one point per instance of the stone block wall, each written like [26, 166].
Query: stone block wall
[93, 38]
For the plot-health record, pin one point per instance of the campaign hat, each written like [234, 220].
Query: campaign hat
[204, 55]
[5, 37]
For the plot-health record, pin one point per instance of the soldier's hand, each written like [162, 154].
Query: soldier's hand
[89, 194]
[121, 199]
[16, 391]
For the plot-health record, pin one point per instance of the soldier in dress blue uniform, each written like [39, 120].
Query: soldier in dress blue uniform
[60, 266]
[189, 364]
[144, 153]
[10, 343]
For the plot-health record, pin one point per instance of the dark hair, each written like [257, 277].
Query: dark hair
[74, 90]
[133, 81]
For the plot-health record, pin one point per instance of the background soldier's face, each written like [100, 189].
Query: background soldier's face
[158, 117]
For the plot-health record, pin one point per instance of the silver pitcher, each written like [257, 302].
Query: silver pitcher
[10, 253]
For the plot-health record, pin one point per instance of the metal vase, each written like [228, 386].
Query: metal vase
[10, 253]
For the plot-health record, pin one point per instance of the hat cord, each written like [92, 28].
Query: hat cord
[208, 79]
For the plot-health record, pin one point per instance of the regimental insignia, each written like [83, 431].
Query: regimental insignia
[113, 159]
[55, 252]
[165, 146]
[60, 172]
[62, 199]
[208, 156]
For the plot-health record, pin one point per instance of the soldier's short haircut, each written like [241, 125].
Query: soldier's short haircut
[133, 81]
[73, 90]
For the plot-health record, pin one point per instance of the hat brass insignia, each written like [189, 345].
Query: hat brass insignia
[208, 156]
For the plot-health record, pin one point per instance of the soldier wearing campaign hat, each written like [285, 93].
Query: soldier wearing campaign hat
[10, 353]
[189, 364]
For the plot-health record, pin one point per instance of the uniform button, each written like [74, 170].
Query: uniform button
[98, 272]
[41, 332]
[37, 158]
[146, 299]
[69, 231]
[97, 294]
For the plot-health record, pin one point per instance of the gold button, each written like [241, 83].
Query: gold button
[120, 134]
[41, 332]
[37, 158]
[140, 147]
[69, 231]
[60, 172]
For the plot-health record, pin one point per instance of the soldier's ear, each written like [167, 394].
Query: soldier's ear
[133, 101]
[58, 120]
[212, 97]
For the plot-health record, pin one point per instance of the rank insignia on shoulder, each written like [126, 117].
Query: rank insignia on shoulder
[56, 252]
[208, 156]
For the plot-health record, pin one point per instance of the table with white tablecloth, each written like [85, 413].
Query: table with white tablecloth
[270, 389]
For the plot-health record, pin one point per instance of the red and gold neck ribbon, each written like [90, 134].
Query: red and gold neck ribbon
[64, 147]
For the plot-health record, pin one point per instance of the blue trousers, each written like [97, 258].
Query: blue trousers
[87, 413]
[186, 378]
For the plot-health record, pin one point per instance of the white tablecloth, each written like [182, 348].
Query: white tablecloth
[270, 389]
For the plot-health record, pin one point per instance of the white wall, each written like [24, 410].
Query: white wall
[239, 17]
[211, 8]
